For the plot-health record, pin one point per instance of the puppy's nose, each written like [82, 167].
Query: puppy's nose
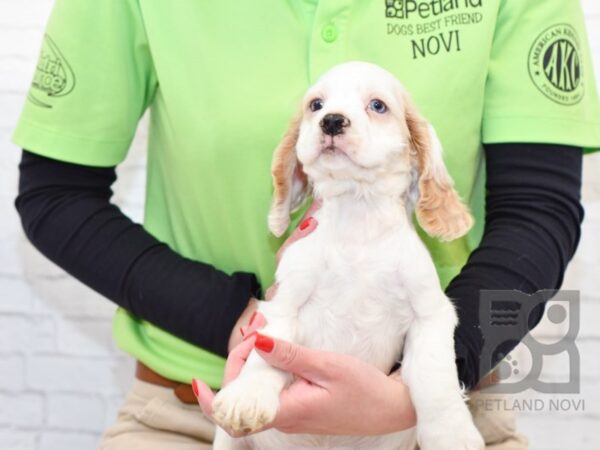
[334, 124]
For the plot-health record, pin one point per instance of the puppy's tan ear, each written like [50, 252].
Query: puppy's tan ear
[439, 209]
[290, 184]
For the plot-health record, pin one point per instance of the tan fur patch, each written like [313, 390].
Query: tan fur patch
[283, 165]
[283, 169]
[440, 211]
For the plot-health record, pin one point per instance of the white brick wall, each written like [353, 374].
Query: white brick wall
[61, 378]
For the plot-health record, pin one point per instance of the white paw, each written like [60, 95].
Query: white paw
[450, 433]
[246, 405]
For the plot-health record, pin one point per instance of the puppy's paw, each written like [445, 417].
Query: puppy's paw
[450, 432]
[246, 405]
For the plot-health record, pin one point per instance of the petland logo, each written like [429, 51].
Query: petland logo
[425, 9]
[502, 316]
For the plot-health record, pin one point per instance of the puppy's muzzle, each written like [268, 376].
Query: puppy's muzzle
[334, 124]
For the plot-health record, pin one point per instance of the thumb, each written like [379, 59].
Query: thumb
[302, 361]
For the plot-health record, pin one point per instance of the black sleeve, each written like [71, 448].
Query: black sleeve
[66, 213]
[532, 228]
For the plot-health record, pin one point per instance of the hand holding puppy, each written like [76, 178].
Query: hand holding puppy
[332, 393]
[323, 399]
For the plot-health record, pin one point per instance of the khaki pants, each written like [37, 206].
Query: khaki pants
[152, 418]
[497, 426]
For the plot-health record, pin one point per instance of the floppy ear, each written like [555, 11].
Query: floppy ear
[439, 209]
[290, 184]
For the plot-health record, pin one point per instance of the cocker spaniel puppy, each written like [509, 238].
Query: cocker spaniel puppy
[362, 283]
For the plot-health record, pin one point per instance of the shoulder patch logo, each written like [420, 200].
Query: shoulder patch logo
[53, 77]
[554, 64]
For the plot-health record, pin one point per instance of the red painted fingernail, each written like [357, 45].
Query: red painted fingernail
[249, 336]
[264, 343]
[305, 223]
[252, 317]
[195, 388]
[241, 331]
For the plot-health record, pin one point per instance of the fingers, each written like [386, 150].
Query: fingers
[271, 292]
[257, 321]
[239, 354]
[204, 395]
[307, 226]
[396, 375]
[310, 364]
[237, 358]
[315, 205]
[235, 338]
[235, 361]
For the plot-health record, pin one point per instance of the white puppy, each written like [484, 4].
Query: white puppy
[362, 283]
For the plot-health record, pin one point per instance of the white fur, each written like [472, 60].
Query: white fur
[362, 283]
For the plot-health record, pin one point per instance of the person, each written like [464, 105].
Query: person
[508, 85]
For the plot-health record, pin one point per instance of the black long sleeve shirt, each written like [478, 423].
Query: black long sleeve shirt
[533, 216]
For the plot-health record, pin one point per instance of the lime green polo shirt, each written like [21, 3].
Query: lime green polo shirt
[223, 78]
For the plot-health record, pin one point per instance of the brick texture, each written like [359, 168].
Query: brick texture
[61, 377]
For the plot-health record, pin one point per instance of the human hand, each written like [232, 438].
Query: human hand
[307, 225]
[235, 361]
[333, 393]
[336, 393]
[235, 338]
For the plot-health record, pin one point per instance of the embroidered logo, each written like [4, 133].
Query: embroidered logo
[53, 77]
[554, 63]
[433, 27]
[426, 9]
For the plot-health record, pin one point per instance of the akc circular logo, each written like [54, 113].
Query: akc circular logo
[555, 64]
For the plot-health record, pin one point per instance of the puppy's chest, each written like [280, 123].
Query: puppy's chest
[358, 305]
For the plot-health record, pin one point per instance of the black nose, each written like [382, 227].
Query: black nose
[334, 124]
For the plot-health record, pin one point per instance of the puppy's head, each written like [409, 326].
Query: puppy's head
[358, 130]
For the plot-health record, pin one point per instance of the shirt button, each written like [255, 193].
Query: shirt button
[329, 33]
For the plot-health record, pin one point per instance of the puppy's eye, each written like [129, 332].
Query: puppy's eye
[377, 105]
[316, 104]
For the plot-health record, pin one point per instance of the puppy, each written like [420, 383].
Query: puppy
[359, 145]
